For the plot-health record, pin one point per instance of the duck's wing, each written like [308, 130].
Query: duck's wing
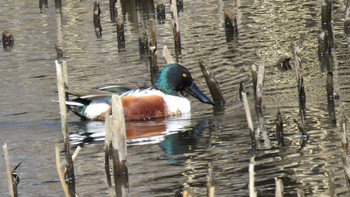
[73, 93]
[116, 89]
[91, 97]
[100, 91]
[91, 94]
[142, 92]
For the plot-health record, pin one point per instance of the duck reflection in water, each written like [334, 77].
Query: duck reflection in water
[177, 144]
[174, 135]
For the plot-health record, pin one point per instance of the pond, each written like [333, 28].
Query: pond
[165, 155]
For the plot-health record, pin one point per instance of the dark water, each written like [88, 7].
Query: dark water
[165, 155]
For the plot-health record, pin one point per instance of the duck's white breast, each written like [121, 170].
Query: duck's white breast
[177, 105]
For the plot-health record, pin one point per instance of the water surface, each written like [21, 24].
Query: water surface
[168, 154]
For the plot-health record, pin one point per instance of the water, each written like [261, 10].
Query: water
[167, 154]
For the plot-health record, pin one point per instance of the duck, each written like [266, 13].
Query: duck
[163, 99]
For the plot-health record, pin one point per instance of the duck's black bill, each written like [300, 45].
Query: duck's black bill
[194, 91]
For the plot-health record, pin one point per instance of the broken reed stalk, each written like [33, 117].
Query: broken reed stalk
[249, 120]
[115, 145]
[65, 77]
[58, 5]
[161, 12]
[279, 188]
[210, 182]
[120, 33]
[297, 63]
[185, 192]
[324, 51]
[7, 41]
[60, 173]
[301, 128]
[300, 83]
[64, 127]
[258, 105]
[153, 51]
[259, 87]
[96, 19]
[331, 183]
[300, 193]
[15, 177]
[167, 56]
[59, 52]
[108, 149]
[113, 10]
[180, 5]
[326, 20]
[326, 13]
[231, 27]
[176, 29]
[229, 19]
[345, 146]
[214, 88]
[43, 5]
[252, 191]
[330, 100]
[326, 40]
[345, 157]
[347, 22]
[254, 79]
[62, 104]
[119, 146]
[241, 89]
[12, 186]
[302, 99]
[283, 63]
[75, 154]
[143, 43]
[118, 123]
[279, 129]
[65, 73]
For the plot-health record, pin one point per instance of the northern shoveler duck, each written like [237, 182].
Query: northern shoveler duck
[162, 100]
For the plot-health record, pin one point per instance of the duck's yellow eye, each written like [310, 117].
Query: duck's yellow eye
[184, 74]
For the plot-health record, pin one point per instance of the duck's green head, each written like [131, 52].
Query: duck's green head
[175, 78]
